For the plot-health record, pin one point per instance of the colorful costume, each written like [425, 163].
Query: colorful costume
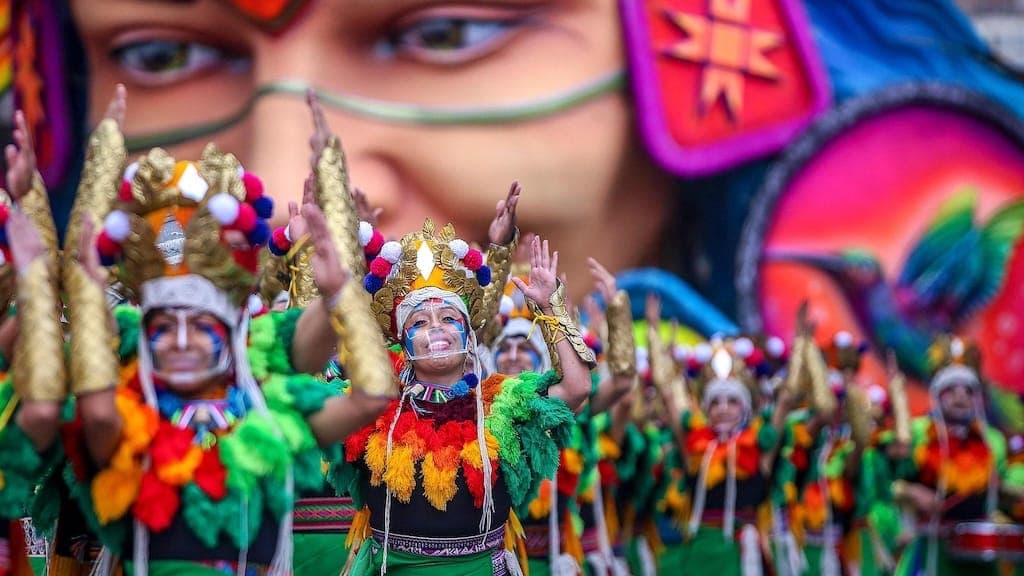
[440, 475]
[196, 485]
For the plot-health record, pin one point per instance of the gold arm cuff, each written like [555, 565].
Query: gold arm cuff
[569, 329]
[98, 187]
[361, 346]
[900, 408]
[335, 200]
[94, 363]
[36, 205]
[302, 290]
[38, 364]
[621, 341]
[858, 414]
[499, 260]
[823, 400]
[796, 373]
[551, 336]
[274, 276]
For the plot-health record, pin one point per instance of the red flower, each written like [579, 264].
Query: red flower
[211, 474]
[156, 504]
[171, 444]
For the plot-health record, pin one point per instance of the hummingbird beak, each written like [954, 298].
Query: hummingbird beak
[829, 263]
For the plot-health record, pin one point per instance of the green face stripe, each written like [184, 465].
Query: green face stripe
[397, 112]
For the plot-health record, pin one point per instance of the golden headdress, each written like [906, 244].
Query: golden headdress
[954, 360]
[428, 259]
[721, 369]
[174, 219]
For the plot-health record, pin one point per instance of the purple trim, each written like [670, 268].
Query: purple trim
[716, 157]
[50, 67]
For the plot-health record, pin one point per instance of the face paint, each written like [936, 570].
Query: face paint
[516, 354]
[187, 346]
[435, 330]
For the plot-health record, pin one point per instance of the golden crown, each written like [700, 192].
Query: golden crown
[425, 259]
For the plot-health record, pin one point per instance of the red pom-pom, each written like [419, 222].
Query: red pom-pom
[473, 260]
[246, 221]
[125, 193]
[5, 213]
[210, 476]
[106, 246]
[380, 267]
[373, 247]
[170, 444]
[253, 187]
[279, 240]
[156, 504]
[755, 358]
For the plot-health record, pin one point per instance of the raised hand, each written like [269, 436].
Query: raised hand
[652, 309]
[503, 227]
[87, 254]
[21, 159]
[364, 211]
[328, 273]
[603, 279]
[321, 130]
[117, 106]
[543, 275]
[24, 240]
[595, 315]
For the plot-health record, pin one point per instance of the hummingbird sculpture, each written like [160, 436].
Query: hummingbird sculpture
[954, 270]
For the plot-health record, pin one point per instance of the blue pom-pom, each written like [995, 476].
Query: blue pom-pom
[763, 369]
[264, 206]
[373, 283]
[107, 260]
[260, 234]
[483, 275]
[3, 235]
[471, 380]
[459, 389]
[693, 371]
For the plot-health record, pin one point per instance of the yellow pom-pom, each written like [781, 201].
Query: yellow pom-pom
[438, 483]
[400, 474]
[113, 492]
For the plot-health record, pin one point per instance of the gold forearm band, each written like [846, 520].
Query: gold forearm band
[38, 352]
[621, 342]
[361, 344]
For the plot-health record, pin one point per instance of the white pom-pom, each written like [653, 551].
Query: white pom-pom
[877, 394]
[254, 304]
[843, 339]
[681, 353]
[224, 208]
[743, 347]
[702, 352]
[130, 170]
[506, 306]
[391, 251]
[288, 233]
[241, 171]
[365, 233]
[459, 247]
[116, 225]
[3, 259]
[775, 347]
[642, 362]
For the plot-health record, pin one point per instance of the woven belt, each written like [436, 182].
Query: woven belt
[323, 515]
[443, 547]
[537, 543]
[589, 541]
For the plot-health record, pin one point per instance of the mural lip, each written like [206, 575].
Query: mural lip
[738, 148]
[821, 133]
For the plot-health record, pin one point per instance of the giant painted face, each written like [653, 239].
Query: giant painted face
[440, 105]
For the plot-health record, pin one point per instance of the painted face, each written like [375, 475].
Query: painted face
[190, 63]
[958, 402]
[435, 330]
[725, 413]
[187, 348]
[516, 354]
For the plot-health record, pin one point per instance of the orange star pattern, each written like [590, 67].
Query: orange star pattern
[728, 48]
